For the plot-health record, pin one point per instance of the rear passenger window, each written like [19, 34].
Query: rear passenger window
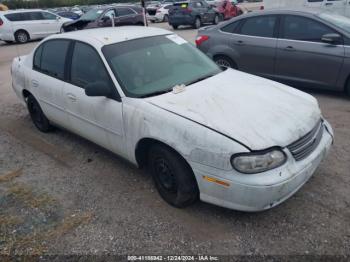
[53, 58]
[230, 28]
[262, 26]
[87, 66]
[37, 58]
[14, 17]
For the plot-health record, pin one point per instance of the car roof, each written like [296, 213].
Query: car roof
[305, 11]
[20, 11]
[111, 35]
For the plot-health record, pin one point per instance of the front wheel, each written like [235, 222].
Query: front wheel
[172, 176]
[37, 115]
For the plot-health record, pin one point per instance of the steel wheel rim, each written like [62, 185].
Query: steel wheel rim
[22, 37]
[223, 62]
[165, 175]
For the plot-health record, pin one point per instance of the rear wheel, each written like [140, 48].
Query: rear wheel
[21, 37]
[224, 61]
[165, 18]
[37, 115]
[173, 177]
[347, 88]
[175, 26]
[216, 20]
[197, 23]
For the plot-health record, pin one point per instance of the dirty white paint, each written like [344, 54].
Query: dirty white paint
[206, 123]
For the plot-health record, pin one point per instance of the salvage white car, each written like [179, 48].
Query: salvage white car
[226, 137]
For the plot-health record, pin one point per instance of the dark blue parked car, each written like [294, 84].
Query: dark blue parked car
[68, 14]
[194, 13]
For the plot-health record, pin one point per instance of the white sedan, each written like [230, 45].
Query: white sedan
[226, 137]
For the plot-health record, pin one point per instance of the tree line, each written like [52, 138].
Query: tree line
[15, 4]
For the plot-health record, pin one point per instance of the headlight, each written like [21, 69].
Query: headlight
[257, 162]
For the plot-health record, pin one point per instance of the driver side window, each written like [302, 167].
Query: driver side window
[87, 66]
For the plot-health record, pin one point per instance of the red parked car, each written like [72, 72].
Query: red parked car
[228, 9]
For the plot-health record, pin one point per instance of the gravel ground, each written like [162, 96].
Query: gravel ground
[60, 194]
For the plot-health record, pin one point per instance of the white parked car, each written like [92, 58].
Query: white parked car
[159, 14]
[230, 138]
[341, 7]
[24, 25]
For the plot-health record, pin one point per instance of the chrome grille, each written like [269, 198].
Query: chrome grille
[304, 146]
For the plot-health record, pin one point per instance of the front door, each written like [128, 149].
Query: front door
[302, 58]
[98, 119]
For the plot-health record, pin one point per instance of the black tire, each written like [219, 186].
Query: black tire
[216, 19]
[172, 176]
[225, 61]
[175, 26]
[197, 23]
[22, 37]
[62, 30]
[37, 115]
[165, 18]
[347, 88]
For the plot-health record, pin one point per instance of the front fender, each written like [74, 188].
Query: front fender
[196, 143]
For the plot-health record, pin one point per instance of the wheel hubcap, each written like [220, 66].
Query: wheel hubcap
[22, 37]
[223, 62]
[165, 175]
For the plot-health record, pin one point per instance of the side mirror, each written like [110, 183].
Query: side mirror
[98, 88]
[332, 39]
[105, 18]
[58, 18]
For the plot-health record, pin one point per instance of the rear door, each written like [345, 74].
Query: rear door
[125, 16]
[51, 22]
[255, 44]
[302, 58]
[47, 79]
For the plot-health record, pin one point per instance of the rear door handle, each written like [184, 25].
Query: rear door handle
[72, 97]
[35, 83]
[239, 42]
[289, 48]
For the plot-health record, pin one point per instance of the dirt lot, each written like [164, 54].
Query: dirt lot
[60, 194]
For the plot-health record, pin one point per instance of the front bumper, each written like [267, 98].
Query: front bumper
[269, 188]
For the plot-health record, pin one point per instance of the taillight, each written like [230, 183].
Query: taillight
[200, 39]
[188, 10]
[1, 22]
[262, 7]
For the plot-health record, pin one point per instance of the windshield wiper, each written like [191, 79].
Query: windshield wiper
[200, 79]
[157, 93]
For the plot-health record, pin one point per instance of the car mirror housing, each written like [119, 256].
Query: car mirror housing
[98, 89]
[331, 39]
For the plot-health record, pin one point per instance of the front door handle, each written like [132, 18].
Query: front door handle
[72, 97]
[289, 48]
[35, 83]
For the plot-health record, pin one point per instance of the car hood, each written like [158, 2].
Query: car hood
[255, 111]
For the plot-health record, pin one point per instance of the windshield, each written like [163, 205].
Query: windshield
[338, 20]
[150, 66]
[92, 15]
